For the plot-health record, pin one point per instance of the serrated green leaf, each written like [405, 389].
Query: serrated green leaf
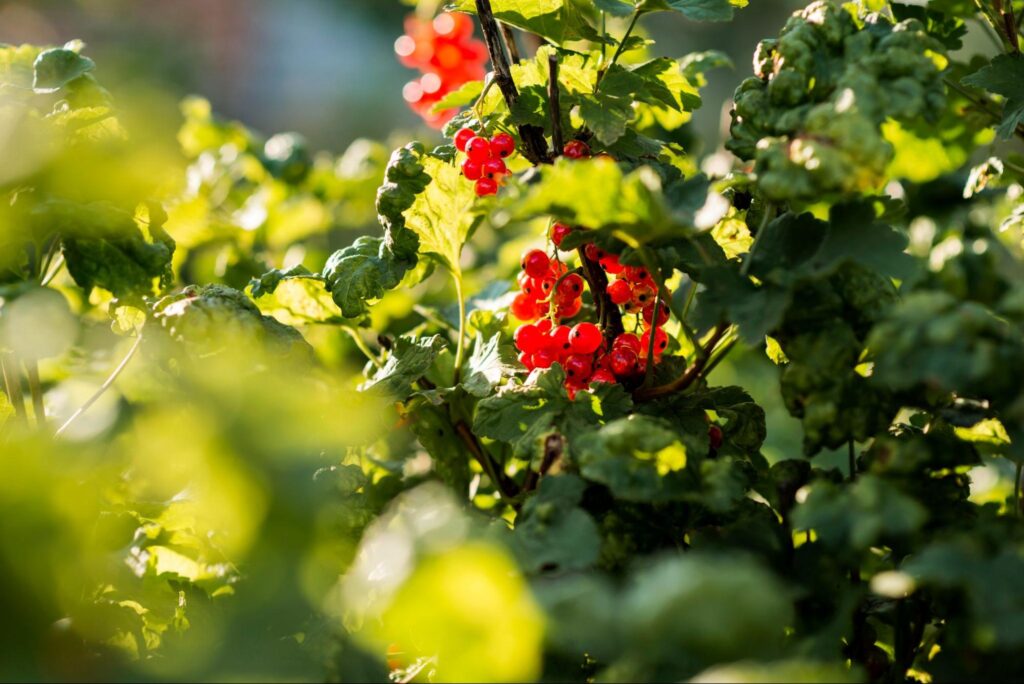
[1004, 76]
[553, 534]
[442, 214]
[360, 274]
[697, 10]
[407, 363]
[559, 21]
[488, 364]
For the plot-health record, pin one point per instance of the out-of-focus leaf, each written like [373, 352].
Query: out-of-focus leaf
[57, 67]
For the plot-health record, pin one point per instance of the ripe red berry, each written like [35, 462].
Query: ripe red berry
[578, 368]
[663, 314]
[524, 307]
[494, 168]
[545, 325]
[570, 287]
[620, 292]
[660, 342]
[628, 341]
[544, 358]
[478, 149]
[559, 231]
[610, 264]
[576, 149]
[503, 145]
[715, 437]
[558, 339]
[462, 137]
[526, 360]
[545, 286]
[643, 295]
[536, 263]
[593, 252]
[472, 170]
[623, 362]
[528, 338]
[585, 338]
[570, 309]
[486, 186]
[602, 375]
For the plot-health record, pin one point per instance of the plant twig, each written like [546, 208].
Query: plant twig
[534, 145]
[103, 388]
[689, 376]
[619, 50]
[460, 344]
[510, 41]
[554, 445]
[608, 315]
[12, 385]
[554, 102]
[502, 481]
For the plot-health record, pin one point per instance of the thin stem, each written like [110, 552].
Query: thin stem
[504, 484]
[982, 103]
[12, 385]
[510, 41]
[619, 50]
[54, 271]
[461, 342]
[652, 338]
[720, 353]
[36, 390]
[690, 376]
[748, 259]
[553, 101]
[607, 312]
[103, 388]
[361, 345]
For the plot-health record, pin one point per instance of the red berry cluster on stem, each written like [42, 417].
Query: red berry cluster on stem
[485, 159]
[445, 51]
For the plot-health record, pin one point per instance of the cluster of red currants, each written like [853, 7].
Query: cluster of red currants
[485, 158]
[546, 289]
[444, 50]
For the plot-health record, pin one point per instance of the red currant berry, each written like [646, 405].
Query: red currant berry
[462, 137]
[503, 145]
[494, 168]
[570, 309]
[660, 342]
[545, 286]
[623, 362]
[637, 274]
[558, 338]
[545, 325]
[478, 149]
[715, 437]
[620, 292]
[585, 338]
[544, 358]
[578, 368]
[593, 252]
[602, 375]
[472, 170]
[528, 338]
[628, 341]
[610, 264]
[643, 295]
[524, 307]
[559, 232]
[486, 186]
[576, 149]
[571, 287]
[663, 314]
[536, 264]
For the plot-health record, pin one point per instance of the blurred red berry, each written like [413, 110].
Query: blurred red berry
[620, 292]
[536, 263]
[486, 186]
[503, 145]
[472, 170]
[576, 149]
[559, 231]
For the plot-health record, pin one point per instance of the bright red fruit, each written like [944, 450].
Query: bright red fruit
[578, 368]
[623, 362]
[462, 137]
[472, 170]
[544, 358]
[663, 314]
[620, 292]
[559, 231]
[628, 341]
[486, 186]
[570, 287]
[524, 307]
[503, 145]
[585, 338]
[570, 309]
[643, 295]
[494, 168]
[593, 252]
[545, 285]
[610, 263]
[528, 338]
[602, 375]
[545, 325]
[478, 149]
[660, 342]
[576, 149]
[526, 360]
[536, 263]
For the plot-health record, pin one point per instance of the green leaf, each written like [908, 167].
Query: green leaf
[617, 8]
[442, 215]
[1004, 76]
[407, 363]
[488, 364]
[559, 21]
[433, 429]
[553, 534]
[523, 415]
[295, 297]
[106, 246]
[360, 274]
[57, 67]
[858, 516]
[697, 10]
